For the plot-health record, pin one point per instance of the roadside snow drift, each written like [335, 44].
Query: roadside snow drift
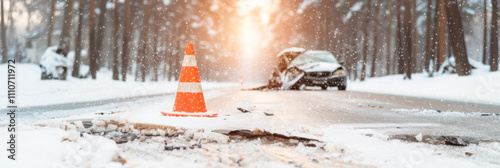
[481, 86]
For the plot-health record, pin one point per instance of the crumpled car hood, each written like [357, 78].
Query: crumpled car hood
[319, 67]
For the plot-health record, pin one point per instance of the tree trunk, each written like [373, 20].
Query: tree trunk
[144, 43]
[156, 28]
[127, 35]
[116, 36]
[485, 33]
[388, 39]
[400, 49]
[352, 60]
[429, 45]
[3, 34]
[414, 38]
[366, 40]
[375, 40]
[78, 39]
[64, 39]
[92, 46]
[441, 30]
[100, 34]
[408, 46]
[455, 31]
[494, 37]
[51, 21]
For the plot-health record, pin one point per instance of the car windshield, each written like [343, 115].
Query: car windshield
[310, 57]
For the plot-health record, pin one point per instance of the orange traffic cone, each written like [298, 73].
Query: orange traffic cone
[189, 100]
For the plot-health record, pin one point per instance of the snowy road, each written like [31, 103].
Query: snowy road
[387, 114]
[353, 128]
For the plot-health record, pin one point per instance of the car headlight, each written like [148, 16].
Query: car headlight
[339, 72]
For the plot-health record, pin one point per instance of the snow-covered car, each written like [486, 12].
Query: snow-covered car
[54, 64]
[298, 68]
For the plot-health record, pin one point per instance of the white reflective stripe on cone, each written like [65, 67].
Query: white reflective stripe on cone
[189, 87]
[189, 60]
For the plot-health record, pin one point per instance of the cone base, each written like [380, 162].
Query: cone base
[184, 114]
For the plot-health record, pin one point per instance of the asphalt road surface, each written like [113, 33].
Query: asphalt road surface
[384, 113]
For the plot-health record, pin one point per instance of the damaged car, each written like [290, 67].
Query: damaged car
[298, 68]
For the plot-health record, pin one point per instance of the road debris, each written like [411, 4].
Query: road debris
[269, 137]
[108, 112]
[171, 148]
[268, 113]
[419, 137]
[253, 109]
[243, 110]
[442, 140]
[120, 137]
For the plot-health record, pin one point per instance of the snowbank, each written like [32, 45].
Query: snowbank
[482, 86]
[31, 91]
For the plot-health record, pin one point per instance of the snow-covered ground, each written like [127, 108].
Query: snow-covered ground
[60, 144]
[31, 91]
[482, 86]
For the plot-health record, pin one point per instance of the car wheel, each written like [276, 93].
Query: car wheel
[45, 76]
[342, 87]
[324, 87]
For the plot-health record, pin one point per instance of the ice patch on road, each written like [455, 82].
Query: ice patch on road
[340, 146]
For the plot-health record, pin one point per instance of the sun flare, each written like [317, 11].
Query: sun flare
[255, 17]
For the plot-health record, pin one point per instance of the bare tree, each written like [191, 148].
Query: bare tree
[51, 22]
[141, 59]
[64, 39]
[399, 39]
[116, 35]
[156, 29]
[78, 39]
[407, 43]
[494, 37]
[100, 34]
[414, 16]
[366, 39]
[127, 36]
[429, 40]
[92, 45]
[457, 37]
[485, 33]
[3, 34]
[388, 47]
[440, 34]
[375, 40]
